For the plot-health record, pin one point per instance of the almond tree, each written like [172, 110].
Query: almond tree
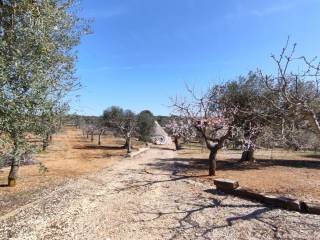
[180, 129]
[297, 91]
[205, 114]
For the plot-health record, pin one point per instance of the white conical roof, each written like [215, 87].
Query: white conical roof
[159, 135]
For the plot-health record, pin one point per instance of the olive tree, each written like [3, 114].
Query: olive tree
[145, 124]
[123, 121]
[249, 96]
[50, 122]
[36, 66]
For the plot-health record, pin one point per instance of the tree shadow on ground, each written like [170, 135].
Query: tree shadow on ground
[185, 164]
[146, 183]
[95, 147]
[313, 156]
[186, 210]
[186, 219]
[187, 213]
[180, 164]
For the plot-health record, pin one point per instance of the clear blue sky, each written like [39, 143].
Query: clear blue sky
[144, 51]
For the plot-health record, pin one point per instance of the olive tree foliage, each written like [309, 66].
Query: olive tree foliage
[281, 108]
[124, 122]
[207, 116]
[99, 129]
[145, 125]
[36, 67]
[296, 87]
[180, 129]
[50, 122]
[90, 125]
[249, 96]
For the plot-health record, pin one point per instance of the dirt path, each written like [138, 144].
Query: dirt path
[139, 199]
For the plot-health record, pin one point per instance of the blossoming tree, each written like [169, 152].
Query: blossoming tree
[180, 129]
[205, 115]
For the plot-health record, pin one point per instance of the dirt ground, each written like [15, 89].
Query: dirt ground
[70, 155]
[92, 192]
[290, 173]
[141, 198]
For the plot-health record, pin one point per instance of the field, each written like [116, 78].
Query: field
[93, 192]
[71, 155]
[274, 171]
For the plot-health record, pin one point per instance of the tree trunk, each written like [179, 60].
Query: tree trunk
[128, 144]
[313, 121]
[13, 175]
[92, 137]
[125, 146]
[247, 156]
[45, 142]
[87, 134]
[15, 164]
[99, 139]
[176, 143]
[213, 161]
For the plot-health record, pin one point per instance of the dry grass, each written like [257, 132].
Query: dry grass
[290, 173]
[69, 156]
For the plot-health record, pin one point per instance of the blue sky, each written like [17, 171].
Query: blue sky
[144, 51]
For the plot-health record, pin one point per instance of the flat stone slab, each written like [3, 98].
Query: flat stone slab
[282, 202]
[226, 184]
[312, 208]
[248, 194]
[232, 187]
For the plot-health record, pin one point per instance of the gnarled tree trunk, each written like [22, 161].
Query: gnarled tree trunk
[13, 175]
[15, 164]
[247, 155]
[99, 139]
[45, 142]
[128, 144]
[213, 160]
[214, 148]
[125, 146]
[313, 121]
[176, 143]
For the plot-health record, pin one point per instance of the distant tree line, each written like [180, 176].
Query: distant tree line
[122, 123]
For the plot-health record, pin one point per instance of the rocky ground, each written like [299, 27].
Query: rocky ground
[138, 199]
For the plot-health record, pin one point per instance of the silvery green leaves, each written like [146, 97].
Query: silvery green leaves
[37, 61]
